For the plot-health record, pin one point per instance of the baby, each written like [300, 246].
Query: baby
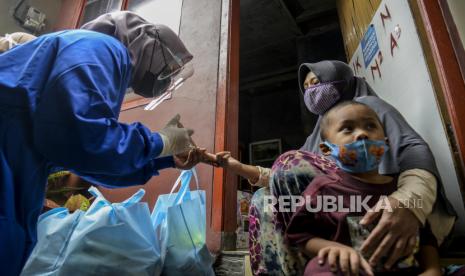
[353, 135]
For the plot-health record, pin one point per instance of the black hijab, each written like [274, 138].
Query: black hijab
[329, 71]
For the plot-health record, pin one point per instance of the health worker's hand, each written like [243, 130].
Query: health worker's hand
[176, 139]
[187, 160]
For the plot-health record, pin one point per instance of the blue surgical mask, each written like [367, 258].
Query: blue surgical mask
[360, 156]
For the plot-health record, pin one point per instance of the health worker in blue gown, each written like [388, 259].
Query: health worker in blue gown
[60, 98]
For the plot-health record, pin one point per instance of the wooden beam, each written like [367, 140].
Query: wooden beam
[224, 204]
[322, 29]
[273, 43]
[289, 16]
[315, 13]
[269, 81]
[270, 74]
[454, 36]
[70, 14]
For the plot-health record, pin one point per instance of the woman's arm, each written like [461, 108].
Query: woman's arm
[417, 190]
[256, 175]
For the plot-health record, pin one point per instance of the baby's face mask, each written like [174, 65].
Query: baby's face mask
[360, 156]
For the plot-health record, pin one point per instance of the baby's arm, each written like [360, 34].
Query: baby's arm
[313, 234]
[339, 255]
[429, 261]
[256, 175]
[428, 255]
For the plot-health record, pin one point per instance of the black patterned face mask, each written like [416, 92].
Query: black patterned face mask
[321, 97]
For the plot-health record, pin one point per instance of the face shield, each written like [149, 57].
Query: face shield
[162, 83]
[159, 58]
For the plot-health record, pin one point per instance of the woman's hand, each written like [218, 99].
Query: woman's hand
[395, 233]
[346, 258]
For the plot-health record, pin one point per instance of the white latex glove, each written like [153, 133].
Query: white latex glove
[176, 139]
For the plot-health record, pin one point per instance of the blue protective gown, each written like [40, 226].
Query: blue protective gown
[60, 97]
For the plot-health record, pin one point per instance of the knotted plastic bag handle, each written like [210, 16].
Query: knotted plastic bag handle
[135, 198]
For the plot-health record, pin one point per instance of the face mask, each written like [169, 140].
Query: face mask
[360, 156]
[321, 97]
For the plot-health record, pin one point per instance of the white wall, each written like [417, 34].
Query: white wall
[166, 12]
[457, 8]
[7, 24]
[405, 83]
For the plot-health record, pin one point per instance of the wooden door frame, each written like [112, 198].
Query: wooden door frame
[224, 204]
[70, 14]
[446, 75]
[454, 36]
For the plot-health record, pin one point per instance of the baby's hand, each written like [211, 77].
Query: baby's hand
[346, 258]
[208, 158]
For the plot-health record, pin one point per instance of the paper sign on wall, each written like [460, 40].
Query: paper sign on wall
[369, 45]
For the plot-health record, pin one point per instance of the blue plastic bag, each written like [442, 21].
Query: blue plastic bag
[54, 229]
[108, 239]
[180, 221]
